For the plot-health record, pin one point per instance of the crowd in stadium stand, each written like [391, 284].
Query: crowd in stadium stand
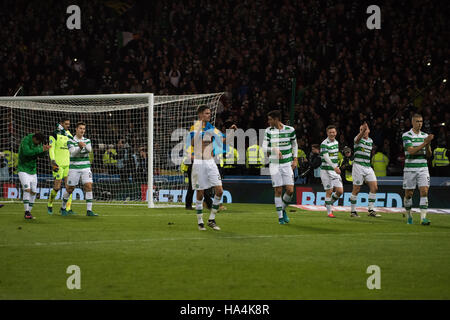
[345, 73]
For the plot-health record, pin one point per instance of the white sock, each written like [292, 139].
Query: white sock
[215, 207]
[408, 205]
[372, 198]
[31, 203]
[423, 207]
[328, 205]
[279, 206]
[26, 200]
[353, 202]
[65, 198]
[89, 198]
[334, 197]
[287, 199]
[199, 208]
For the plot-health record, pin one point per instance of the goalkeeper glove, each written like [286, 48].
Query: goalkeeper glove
[55, 167]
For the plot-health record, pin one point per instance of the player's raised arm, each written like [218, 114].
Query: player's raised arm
[225, 137]
[362, 130]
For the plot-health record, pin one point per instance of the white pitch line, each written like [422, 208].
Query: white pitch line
[112, 241]
[143, 215]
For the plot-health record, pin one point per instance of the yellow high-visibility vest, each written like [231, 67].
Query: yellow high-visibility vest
[12, 157]
[348, 173]
[227, 161]
[254, 156]
[301, 154]
[189, 152]
[109, 160]
[379, 164]
[439, 158]
[184, 167]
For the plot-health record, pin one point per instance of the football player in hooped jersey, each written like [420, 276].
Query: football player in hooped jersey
[415, 174]
[280, 143]
[330, 174]
[362, 171]
[79, 168]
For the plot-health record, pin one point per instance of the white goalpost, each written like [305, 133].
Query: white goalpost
[132, 137]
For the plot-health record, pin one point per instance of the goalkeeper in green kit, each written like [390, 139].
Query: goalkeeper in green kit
[31, 147]
[60, 159]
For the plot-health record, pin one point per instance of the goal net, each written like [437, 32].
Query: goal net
[137, 142]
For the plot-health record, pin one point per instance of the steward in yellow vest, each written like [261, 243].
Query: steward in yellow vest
[254, 157]
[379, 163]
[440, 158]
[229, 159]
[346, 164]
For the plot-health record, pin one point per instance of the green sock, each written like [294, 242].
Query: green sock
[52, 197]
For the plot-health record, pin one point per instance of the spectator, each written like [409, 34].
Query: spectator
[312, 171]
[379, 162]
[124, 160]
[251, 52]
[110, 159]
[174, 76]
[346, 164]
[141, 164]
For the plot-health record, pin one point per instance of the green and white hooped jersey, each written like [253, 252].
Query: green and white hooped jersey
[332, 148]
[283, 139]
[417, 161]
[363, 150]
[79, 157]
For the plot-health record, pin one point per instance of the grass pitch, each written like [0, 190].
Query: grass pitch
[131, 252]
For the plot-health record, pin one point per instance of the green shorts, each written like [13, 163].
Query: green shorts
[61, 173]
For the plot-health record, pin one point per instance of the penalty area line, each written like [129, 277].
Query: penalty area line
[116, 241]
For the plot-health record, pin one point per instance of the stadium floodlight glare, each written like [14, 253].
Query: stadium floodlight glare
[123, 128]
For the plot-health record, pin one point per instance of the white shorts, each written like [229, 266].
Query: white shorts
[361, 174]
[75, 175]
[330, 179]
[205, 174]
[28, 181]
[411, 179]
[281, 174]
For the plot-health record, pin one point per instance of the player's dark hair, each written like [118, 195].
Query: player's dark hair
[331, 126]
[315, 146]
[64, 119]
[80, 123]
[274, 114]
[416, 115]
[39, 137]
[202, 108]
